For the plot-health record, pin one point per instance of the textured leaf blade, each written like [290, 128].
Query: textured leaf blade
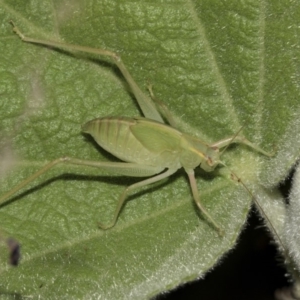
[215, 78]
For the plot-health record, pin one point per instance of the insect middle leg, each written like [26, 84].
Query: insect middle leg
[132, 187]
[196, 197]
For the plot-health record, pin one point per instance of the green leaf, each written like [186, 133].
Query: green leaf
[292, 221]
[217, 65]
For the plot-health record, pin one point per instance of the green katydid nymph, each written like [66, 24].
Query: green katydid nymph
[149, 147]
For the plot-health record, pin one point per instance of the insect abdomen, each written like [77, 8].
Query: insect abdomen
[114, 135]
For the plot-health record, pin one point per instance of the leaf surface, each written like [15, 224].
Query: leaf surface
[217, 65]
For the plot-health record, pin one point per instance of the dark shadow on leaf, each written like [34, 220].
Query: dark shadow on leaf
[89, 139]
[13, 296]
[116, 180]
[155, 186]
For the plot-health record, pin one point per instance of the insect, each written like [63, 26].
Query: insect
[148, 146]
[13, 247]
[14, 251]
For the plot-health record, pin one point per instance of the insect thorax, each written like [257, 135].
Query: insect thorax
[196, 153]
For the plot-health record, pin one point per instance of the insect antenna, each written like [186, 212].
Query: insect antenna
[286, 255]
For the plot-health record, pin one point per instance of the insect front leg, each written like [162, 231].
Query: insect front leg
[145, 103]
[196, 196]
[240, 140]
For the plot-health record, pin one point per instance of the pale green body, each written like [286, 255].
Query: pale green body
[125, 138]
[147, 146]
[148, 143]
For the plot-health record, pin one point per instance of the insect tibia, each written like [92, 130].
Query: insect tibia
[243, 140]
[16, 30]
